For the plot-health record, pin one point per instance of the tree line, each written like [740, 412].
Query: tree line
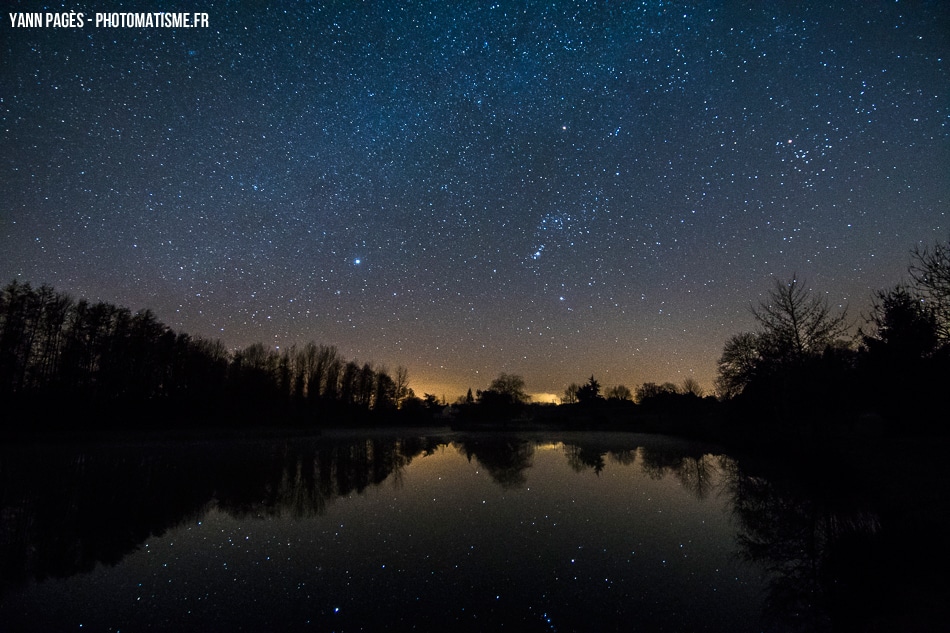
[805, 363]
[807, 368]
[57, 353]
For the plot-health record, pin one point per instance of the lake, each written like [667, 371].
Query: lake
[424, 531]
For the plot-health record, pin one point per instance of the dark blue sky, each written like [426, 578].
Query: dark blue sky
[547, 188]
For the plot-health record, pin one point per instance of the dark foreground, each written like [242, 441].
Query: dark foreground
[434, 529]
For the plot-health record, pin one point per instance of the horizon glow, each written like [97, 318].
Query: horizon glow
[548, 189]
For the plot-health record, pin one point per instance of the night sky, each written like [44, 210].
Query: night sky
[552, 189]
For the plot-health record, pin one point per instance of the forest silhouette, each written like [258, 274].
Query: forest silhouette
[804, 371]
[833, 478]
[58, 356]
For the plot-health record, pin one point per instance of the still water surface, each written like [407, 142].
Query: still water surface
[524, 532]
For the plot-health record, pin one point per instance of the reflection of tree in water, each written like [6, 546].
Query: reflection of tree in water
[299, 480]
[591, 452]
[505, 458]
[699, 475]
[582, 457]
[657, 462]
[819, 544]
[65, 510]
[699, 472]
[624, 456]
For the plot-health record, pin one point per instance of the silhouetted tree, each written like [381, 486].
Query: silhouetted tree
[619, 392]
[402, 385]
[510, 386]
[85, 341]
[332, 373]
[349, 382]
[650, 390]
[366, 386]
[903, 363]
[902, 326]
[205, 382]
[57, 354]
[504, 399]
[691, 386]
[589, 392]
[385, 398]
[796, 366]
[253, 378]
[285, 373]
[740, 361]
[21, 312]
[930, 272]
[795, 324]
[570, 394]
[305, 366]
[56, 309]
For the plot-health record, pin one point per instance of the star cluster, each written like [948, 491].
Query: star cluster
[546, 188]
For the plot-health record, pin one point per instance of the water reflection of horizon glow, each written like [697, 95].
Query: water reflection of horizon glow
[477, 534]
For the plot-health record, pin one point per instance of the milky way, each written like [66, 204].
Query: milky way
[553, 189]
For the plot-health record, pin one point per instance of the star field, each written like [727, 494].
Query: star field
[546, 188]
